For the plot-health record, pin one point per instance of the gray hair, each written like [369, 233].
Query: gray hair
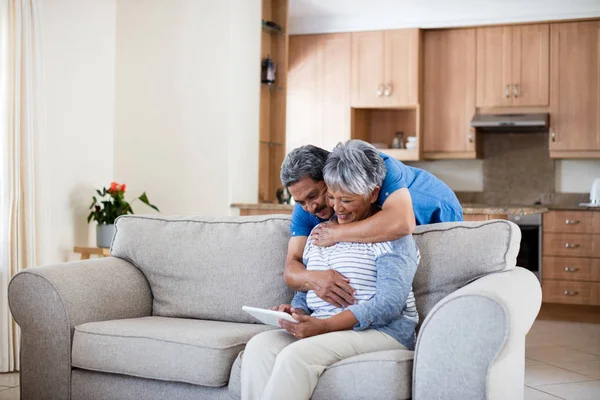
[302, 162]
[354, 167]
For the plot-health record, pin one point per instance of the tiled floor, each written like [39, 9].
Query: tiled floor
[562, 362]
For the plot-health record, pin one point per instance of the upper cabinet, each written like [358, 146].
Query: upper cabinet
[575, 90]
[449, 93]
[385, 68]
[318, 102]
[512, 66]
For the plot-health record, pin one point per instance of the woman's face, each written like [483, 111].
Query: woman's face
[351, 207]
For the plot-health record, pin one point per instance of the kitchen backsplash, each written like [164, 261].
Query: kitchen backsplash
[517, 169]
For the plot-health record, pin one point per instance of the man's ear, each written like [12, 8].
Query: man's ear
[375, 194]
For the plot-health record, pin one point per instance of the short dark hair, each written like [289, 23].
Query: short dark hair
[305, 161]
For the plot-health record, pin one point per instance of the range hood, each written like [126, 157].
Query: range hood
[510, 123]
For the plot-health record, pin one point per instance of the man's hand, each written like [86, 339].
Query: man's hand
[306, 326]
[332, 287]
[287, 308]
[324, 234]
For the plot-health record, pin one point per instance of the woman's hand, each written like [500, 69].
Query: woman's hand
[306, 326]
[288, 309]
[324, 234]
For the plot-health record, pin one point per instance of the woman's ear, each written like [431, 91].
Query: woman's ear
[375, 194]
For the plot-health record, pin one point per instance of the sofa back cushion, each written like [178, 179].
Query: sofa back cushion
[208, 268]
[456, 253]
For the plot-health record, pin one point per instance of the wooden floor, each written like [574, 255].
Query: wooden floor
[569, 312]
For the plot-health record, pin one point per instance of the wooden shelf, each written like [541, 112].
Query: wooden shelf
[402, 154]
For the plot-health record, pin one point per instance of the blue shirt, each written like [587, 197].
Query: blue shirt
[433, 201]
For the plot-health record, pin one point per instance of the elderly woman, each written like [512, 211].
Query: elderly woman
[287, 363]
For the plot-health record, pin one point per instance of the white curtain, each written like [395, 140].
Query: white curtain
[20, 67]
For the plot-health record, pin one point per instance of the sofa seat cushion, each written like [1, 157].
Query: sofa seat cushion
[354, 377]
[169, 349]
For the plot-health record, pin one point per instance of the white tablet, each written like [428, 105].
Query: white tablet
[268, 317]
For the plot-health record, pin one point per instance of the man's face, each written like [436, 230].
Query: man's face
[312, 196]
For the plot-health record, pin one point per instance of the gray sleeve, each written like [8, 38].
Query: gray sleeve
[299, 302]
[395, 273]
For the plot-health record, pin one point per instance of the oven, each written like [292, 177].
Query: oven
[530, 252]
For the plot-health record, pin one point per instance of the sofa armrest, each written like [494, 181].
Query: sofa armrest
[472, 343]
[48, 302]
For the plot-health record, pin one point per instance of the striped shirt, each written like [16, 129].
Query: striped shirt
[357, 262]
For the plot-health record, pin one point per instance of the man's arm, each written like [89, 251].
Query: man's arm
[329, 285]
[395, 220]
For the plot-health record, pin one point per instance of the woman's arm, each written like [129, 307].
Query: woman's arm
[395, 274]
[395, 220]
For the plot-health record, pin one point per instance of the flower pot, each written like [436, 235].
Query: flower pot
[104, 235]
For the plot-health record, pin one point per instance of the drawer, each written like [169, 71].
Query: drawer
[570, 244]
[569, 292]
[569, 222]
[571, 269]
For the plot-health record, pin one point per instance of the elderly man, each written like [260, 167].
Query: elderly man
[409, 196]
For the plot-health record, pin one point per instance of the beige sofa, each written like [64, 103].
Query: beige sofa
[162, 318]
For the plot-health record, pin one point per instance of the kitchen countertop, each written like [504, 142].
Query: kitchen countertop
[467, 208]
[570, 207]
[502, 209]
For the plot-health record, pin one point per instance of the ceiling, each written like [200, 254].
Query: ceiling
[319, 16]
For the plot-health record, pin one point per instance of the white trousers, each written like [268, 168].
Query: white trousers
[275, 365]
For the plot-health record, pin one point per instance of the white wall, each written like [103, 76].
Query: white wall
[187, 92]
[460, 175]
[317, 16]
[75, 143]
[576, 176]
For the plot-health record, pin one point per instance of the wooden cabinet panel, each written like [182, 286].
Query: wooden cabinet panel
[571, 245]
[574, 87]
[493, 66]
[570, 292]
[367, 68]
[568, 222]
[401, 67]
[319, 90]
[530, 65]
[484, 217]
[449, 91]
[571, 269]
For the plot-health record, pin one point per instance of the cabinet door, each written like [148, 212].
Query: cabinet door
[319, 90]
[531, 65]
[574, 87]
[493, 66]
[401, 57]
[367, 69]
[449, 92]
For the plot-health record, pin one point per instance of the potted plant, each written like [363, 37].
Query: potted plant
[105, 209]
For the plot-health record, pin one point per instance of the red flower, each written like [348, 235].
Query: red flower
[114, 187]
[123, 186]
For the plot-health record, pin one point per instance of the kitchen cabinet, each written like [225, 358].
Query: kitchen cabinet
[318, 101]
[575, 90]
[385, 68]
[449, 93]
[513, 66]
[571, 257]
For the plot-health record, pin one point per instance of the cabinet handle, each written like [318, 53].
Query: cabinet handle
[515, 91]
[571, 292]
[553, 134]
[470, 136]
[571, 221]
[388, 89]
[506, 92]
[571, 269]
[571, 245]
[380, 90]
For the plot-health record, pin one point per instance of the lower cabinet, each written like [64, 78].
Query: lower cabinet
[571, 258]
